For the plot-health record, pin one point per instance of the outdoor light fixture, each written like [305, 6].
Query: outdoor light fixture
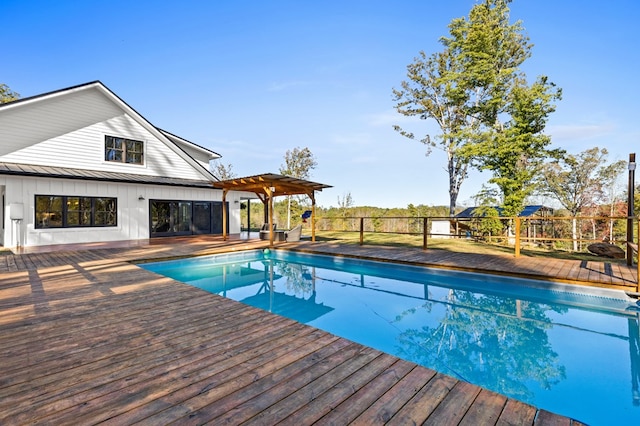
[141, 198]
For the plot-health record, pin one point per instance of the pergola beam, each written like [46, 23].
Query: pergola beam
[266, 187]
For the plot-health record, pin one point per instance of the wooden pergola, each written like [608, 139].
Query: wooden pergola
[266, 187]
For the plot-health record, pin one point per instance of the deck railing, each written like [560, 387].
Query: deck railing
[569, 234]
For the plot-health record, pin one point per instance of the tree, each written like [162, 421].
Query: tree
[431, 93]
[515, 150]
[222, 171]
[574, 180]
[298, 163]
[7, 95]
[487, 114]
[609, 176]
[508, 140]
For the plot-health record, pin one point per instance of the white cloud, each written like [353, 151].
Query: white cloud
[573, 132]
[389, 118]
[354, 139]
[280, 86]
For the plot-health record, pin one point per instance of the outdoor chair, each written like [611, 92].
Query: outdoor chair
[293, 234]
[264, 231]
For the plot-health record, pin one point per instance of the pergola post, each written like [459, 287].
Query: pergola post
[313, 215]
[224, 214]
[269, 192]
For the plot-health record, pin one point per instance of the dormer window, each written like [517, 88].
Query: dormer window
[122, 150]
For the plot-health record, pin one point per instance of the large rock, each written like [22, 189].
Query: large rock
[607, 250]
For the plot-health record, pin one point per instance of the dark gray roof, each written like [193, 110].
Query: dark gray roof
[97, 175]
[526, 212]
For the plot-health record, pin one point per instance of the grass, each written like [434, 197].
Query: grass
[454, 245]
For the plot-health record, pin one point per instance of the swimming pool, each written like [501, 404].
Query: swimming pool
[551, 345]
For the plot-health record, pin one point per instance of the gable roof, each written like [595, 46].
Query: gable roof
[172, 141]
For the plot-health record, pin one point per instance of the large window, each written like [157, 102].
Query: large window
[56, 211]
[122, 150]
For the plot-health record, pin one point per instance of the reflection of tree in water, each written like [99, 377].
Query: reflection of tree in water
[495, 342]
[298, 278]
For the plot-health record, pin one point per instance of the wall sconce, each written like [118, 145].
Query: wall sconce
[236, 202]
[141, 198]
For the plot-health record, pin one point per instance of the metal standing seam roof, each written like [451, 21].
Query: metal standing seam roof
[97, 175]
[468, 213]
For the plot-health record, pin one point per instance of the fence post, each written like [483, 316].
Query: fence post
[425, 232]
[517, 253]
[361, 230]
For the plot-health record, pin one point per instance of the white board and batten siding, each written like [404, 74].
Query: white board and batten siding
[84, 147]
[133, 213]
[67, 129]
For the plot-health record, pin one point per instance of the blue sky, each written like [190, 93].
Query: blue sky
[253, 79]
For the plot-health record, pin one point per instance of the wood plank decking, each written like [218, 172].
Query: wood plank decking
[87, 337]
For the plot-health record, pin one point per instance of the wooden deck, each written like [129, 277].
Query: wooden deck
[87, 337]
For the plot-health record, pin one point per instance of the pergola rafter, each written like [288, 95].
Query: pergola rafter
[266, 187]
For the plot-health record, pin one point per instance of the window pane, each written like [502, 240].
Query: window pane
[78, 211]
[105, 212]
[183, 222]
[123, 150]
[160, 216]
[48, 211]
[114, 148]
[202, 218]
[134, 151]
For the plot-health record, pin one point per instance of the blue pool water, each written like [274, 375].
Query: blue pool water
[550, 345]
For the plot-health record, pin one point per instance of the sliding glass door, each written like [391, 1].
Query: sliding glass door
[171, 218]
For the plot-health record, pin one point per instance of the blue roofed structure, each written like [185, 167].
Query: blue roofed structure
[529, 211]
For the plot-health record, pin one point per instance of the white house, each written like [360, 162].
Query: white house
[79, 165]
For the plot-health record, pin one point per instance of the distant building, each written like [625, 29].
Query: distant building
[460, 224]
[528, 211]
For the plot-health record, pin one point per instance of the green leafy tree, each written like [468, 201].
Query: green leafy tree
[575, 181]
[515, 151]
[7, 95]
[509, 141]
[431, 92]
[487, 114]
[298, 163]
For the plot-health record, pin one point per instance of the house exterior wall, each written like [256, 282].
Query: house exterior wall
[133, 213]
[84, 146]
[67, 129]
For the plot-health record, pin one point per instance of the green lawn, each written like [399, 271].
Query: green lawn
[453, 244]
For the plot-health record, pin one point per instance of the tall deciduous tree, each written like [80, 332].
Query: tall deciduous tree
[487, 113]
[7, 95]
[298, 163]
[514, 150]
[431, 92]
[574, 181]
